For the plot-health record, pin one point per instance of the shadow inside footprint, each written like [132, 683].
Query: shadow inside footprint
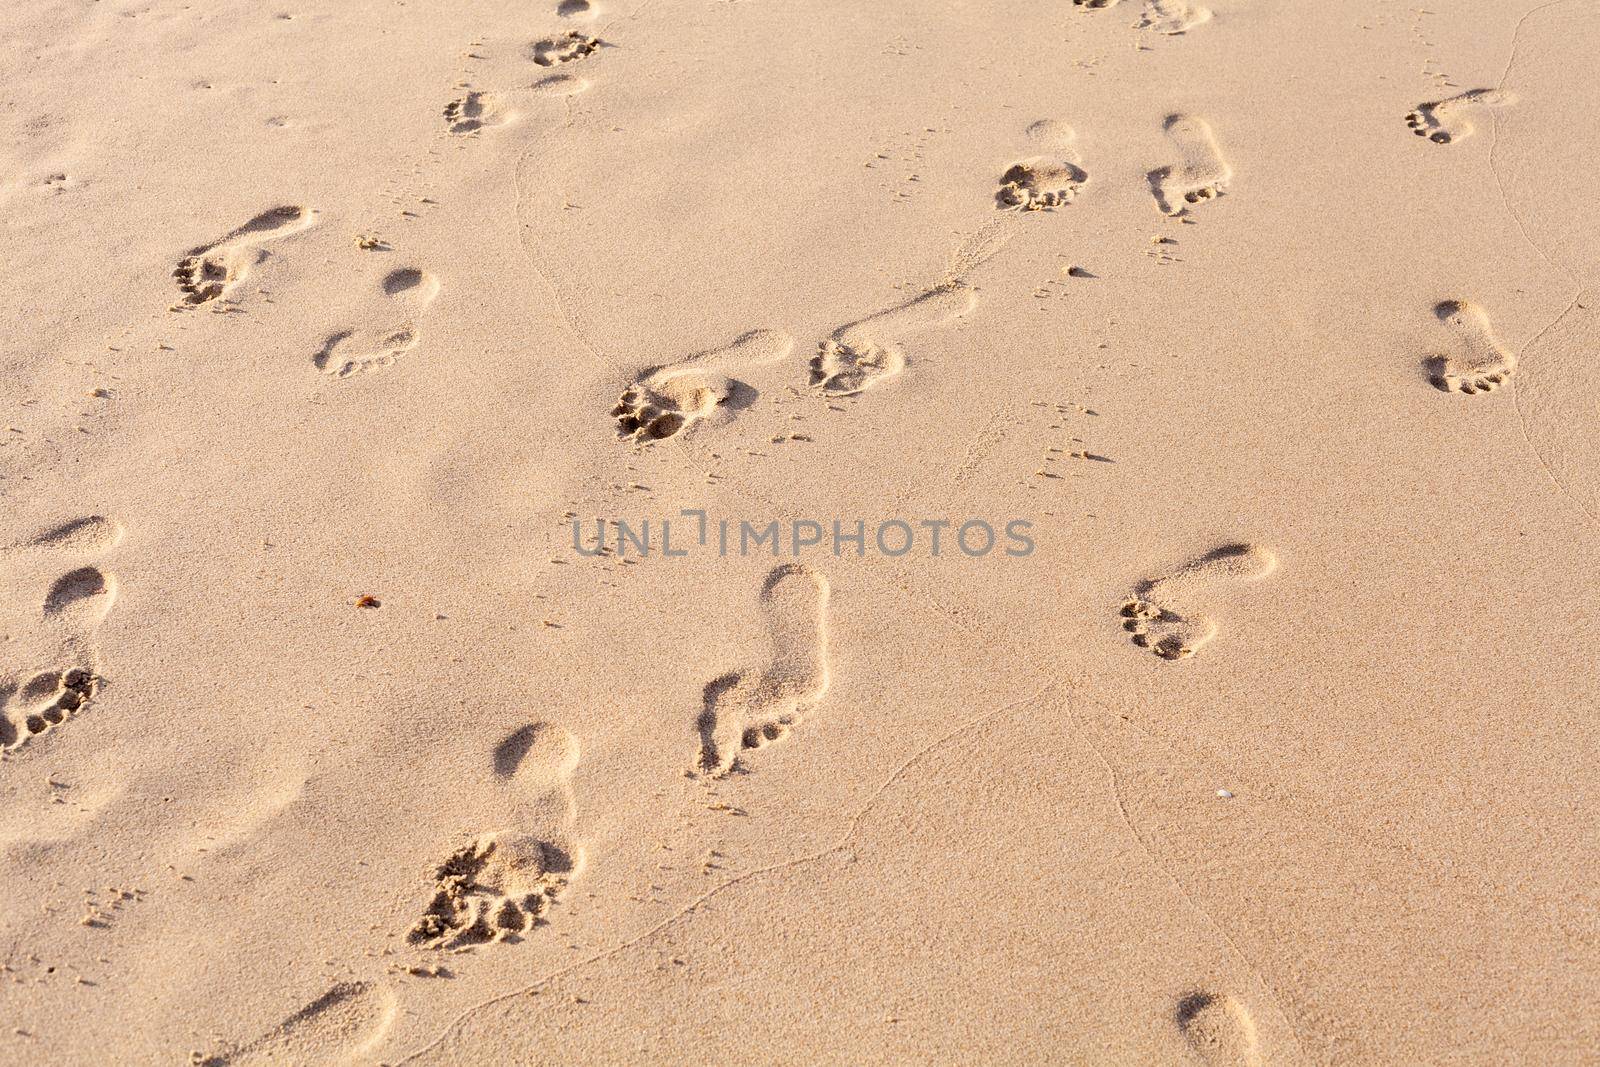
[1219, 1029]
[90, 534]
[508, 754]
[75, 587]
[400, 280]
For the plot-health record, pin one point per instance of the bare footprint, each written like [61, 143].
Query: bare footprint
[477, 111]
[349, 1022]
[1444, 121]
[498, 886]
[1162, 615]
[577, 10]
[215, 270]
[563, 48]
[1202, 174]
[666, 401]
[1171, 17]
[1042, 182]
[749, 708]
[404, 294]
[1219, 1030]
[867, 353]
[49, 674]
[85, 592]
[1481, 364]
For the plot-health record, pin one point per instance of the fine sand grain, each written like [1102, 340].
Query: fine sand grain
[1243, 357]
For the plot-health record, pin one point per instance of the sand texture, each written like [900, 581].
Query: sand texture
[1262, 337]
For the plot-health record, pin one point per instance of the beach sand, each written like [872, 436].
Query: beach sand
[1265, 736]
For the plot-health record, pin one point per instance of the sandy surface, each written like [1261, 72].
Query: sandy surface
[1273, 321]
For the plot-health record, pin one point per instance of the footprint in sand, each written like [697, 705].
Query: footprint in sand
[401, 298]
[867, 353]
[1480, 364]
[347, 1023]
[1095, 5]
[50, 673]
[563, 48]
[746, 709]
[1162, 615]
[1202, 173]
[1444, 121]
[1171, 17]
[665, 401]
[214, 270]
[477, 111]
[1043, 181]
[1219, 1030]
[498, 886]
